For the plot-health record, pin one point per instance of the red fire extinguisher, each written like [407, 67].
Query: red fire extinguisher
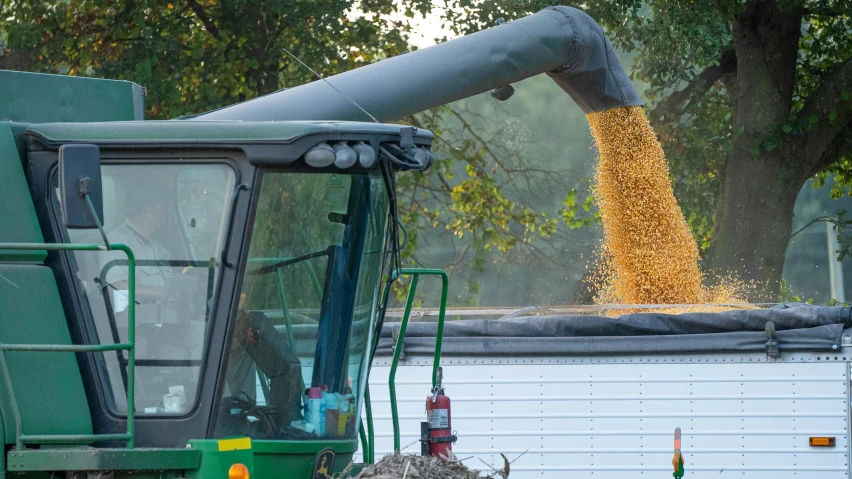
[436, 434]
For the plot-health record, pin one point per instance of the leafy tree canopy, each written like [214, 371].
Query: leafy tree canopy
[196, 55]
[742, 93]
[750, 98]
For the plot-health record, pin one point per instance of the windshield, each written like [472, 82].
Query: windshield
[307, 304]
[174, 218]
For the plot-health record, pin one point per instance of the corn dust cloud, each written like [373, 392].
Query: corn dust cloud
[649, 252]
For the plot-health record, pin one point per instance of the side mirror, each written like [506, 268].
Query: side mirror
[79, 176]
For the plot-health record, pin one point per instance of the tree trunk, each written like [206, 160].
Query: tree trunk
[754, 218]
[755, 209]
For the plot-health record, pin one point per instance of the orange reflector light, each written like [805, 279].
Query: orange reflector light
[822, 442]
[238, 471]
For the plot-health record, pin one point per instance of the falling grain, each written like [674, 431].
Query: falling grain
[653, 256]
[649, 255]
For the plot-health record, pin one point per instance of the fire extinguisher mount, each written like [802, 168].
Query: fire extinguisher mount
[438, 388]
[426, 440]
[436, 434]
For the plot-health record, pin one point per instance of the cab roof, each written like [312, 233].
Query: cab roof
[263, 142]
[205, 131]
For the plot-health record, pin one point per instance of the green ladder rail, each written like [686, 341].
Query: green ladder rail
[367, 435]
[129, 346]
[439, 336]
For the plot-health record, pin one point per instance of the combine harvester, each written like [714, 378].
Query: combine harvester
[203, 299]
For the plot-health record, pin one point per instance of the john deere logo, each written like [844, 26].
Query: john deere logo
[333, 182]
[324, 464]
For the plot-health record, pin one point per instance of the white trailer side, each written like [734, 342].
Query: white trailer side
[613, 416]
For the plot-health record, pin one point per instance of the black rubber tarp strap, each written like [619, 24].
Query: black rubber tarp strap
[794, 329]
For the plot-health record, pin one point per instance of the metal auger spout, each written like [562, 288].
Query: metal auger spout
[563, 42]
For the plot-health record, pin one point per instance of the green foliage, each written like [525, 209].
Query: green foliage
[674, 43]
[479, 190]
[696, 150]
[842, 225]
[700, 137]
[195, 55]
[572, 207]
[479, 195]
[841, 172]
[786, 295]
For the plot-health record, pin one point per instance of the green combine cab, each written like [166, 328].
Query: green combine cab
[201, 298]
[221, 322]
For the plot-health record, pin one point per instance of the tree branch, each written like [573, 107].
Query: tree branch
[832, 113]
[824, 12]
[677, 78]
[809, 223]
[840, 147]
[202, 15]
[696, 88]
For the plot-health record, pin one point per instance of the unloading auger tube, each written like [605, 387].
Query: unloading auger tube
[563, 42]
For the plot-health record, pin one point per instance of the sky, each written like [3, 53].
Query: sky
[426, 29]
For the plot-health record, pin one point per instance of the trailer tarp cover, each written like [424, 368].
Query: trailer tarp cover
[798, 328]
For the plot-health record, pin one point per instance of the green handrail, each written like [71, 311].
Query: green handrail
[365, 446]
[371, 438]
[368, 407]
[439, 336]
[129, 346]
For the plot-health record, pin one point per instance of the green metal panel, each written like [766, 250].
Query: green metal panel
[2, 456]
[188, 131]
[168, 474]
[48, 386]
[40, 98]
[22, 438]
[298, 458]
[304, 447]
[103, 459]
[19, 133]
[270, 459]
[215, 463]
[20, 224]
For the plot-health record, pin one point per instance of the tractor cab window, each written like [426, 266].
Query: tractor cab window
[308, 300]
[174, 218]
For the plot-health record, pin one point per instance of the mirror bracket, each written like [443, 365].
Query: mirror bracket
[85, 186]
